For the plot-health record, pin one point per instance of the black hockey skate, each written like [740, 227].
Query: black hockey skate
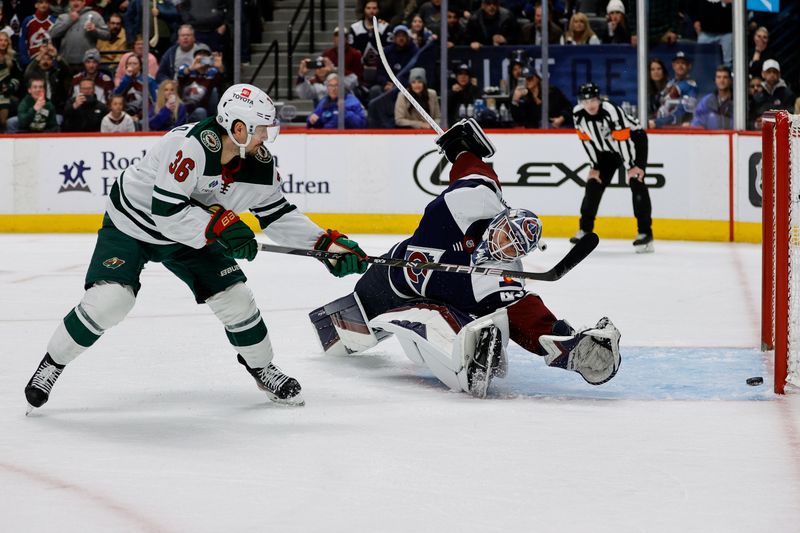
[644, 243]
[578, 236]
[37, 391]
[487, 362]
[279, 387]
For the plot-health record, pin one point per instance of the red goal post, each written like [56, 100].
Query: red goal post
[780, 267]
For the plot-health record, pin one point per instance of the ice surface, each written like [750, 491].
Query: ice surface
[158, 428]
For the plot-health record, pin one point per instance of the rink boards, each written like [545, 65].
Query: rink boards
[703, 185]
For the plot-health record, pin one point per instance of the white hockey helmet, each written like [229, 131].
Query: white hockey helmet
[253, 107]
[511, 234]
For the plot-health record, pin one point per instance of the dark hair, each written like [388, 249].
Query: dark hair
[724, 68]
[36, 78]
[652, 84]
[422, 98]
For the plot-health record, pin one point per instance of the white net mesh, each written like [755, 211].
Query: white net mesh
[793, 374]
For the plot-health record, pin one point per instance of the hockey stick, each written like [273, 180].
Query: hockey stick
[390, 72]
[577, 254]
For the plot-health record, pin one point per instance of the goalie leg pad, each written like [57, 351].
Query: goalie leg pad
[449, 344]
[593, 353]
[236, 308]
[103, 306]
[427, 334]
[342, 327]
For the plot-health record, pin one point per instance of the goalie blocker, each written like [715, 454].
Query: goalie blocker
[465, 136]
[463, 353]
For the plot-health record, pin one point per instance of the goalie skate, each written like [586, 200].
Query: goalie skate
[487, 362]
[37, 391]
[279, 387]
[644, 244]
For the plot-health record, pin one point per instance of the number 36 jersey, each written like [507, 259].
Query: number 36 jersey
[164, 198]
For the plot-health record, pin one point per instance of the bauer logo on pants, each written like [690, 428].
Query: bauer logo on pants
[113, 262]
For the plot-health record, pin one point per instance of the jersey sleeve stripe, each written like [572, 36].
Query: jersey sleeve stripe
[168, 200]
[166, 209]
[265, 221]
[266, 210]
[273, 205]
[170, 194]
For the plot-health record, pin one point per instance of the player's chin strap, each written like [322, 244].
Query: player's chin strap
[242, 147]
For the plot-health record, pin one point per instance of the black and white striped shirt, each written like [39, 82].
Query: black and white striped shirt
[610, 131]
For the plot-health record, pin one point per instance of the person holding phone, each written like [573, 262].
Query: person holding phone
[79, 29]
[200, 82]
[169, 111]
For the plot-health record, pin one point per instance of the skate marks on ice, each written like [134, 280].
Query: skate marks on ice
[646, 373]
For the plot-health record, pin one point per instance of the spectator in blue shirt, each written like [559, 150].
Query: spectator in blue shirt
[326, 114]
[679, 97]
[715, 110]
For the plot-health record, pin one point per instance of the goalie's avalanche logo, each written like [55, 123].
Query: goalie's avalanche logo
[73, 178]
[417, 275]
[418, 278]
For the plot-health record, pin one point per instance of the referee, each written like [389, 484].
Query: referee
[612, 138]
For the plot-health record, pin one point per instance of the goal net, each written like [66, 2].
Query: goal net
[780, 295]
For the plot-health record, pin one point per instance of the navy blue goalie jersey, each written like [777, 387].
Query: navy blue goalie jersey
[451, 228]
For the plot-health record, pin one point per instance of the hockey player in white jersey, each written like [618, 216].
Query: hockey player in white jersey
[179, 206]
[456, 324]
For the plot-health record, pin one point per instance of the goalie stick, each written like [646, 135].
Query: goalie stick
[578, 253]
[439, 131]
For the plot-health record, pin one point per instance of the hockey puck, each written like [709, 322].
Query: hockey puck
[754, 381]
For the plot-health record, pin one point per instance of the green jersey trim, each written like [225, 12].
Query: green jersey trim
[116, 200]
[269, 219]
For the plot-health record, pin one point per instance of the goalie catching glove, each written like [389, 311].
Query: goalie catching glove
[226, 228]
[350, 263]
[465, 136]
[593, 353]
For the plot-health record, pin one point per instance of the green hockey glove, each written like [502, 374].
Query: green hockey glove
[235, 236]
[351, 263]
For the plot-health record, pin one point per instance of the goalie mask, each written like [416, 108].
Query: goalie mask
[250, 105]
[511, 235]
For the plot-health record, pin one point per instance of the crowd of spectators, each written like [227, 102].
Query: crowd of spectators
[79, 65]
[69, 65]
[675, 101]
